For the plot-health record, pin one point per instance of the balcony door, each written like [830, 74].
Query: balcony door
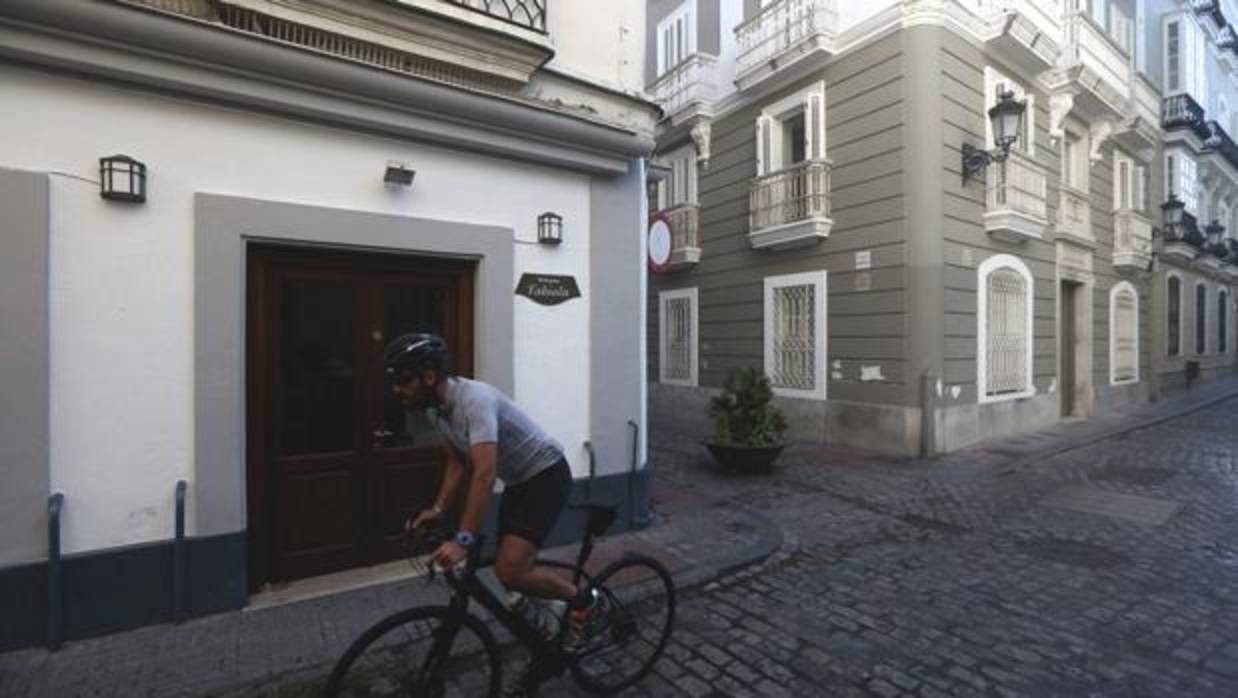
[335, 463]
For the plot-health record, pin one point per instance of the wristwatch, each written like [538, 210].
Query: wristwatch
[464, 539]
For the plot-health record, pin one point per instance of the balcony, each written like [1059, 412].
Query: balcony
[1141, 127]
[1182, 112]
[1183, 245]
[688, 89]
[1132, 240]
[1074, 215]
[781, 34]
[1027, 31]
[1016, 202]
[685, 244]
[1097, 68]
[1210, 9]
[1220, 144]
[791, 207]
[488, 45]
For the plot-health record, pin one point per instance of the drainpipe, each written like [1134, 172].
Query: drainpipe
[178, 556]
[55, 587]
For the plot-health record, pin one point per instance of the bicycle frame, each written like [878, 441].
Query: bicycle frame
[547, 654]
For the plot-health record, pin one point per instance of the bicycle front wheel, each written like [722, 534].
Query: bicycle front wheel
[420, 653]
[637, 612]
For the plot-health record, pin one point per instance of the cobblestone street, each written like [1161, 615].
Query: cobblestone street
[1110, 570]
[1104, 570]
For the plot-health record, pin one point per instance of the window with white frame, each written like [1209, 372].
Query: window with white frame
[1201, 318]
[1122, 29]
[680, 185]
[792, 130]
[1181, 177]
[1075, 159]
[676, 37]
[1129, 179]
[1222, 322]
[677, 339]
[1123, 333]
[1004, 329]
[995, 85]
[1185, 54]
[1173, 307]
[795, 334]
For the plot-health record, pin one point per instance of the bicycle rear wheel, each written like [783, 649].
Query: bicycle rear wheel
[637, 607]
[416, 654]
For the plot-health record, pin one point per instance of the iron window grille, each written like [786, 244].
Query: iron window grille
[678, 339]
[1007, 340]
[530, 14]
[794, 340]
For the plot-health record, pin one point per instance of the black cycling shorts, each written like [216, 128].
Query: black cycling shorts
[531, 508]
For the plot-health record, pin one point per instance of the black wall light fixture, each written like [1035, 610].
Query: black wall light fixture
[1006, 118]
[550, 228]
[399, 173]
[121, 178]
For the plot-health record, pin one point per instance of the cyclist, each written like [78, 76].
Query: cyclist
[489, 437]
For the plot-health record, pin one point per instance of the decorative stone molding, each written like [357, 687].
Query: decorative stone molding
[1060, 105]
[1100, 131]
[701, 133]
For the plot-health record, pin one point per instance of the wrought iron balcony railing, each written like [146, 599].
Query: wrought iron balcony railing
[684, 220]
[1017, 184]
[781, 26]
[693, 82]
[530, 14]
[1218, 141]
[1183, 112]
[1211, 8]
[797, 193]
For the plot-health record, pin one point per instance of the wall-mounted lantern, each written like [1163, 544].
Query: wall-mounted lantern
[399, 173]
[1172, 211]
[1006, 118]
[121, 178]
[550, 228]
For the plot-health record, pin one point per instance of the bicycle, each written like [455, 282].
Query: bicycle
[463, 658]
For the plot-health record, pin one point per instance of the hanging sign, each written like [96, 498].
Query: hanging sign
[547, 289]
[659, 243]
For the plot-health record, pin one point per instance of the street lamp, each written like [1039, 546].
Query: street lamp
[1172, 210]
[1006, 118]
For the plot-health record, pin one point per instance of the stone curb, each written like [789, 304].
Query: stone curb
[1084, 441]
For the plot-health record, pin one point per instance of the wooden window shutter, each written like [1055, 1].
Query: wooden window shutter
[814, 127]
[765, 151]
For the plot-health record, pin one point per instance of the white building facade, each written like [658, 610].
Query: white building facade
[225, 331]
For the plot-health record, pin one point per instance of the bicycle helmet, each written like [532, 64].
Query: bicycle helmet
[415, 351]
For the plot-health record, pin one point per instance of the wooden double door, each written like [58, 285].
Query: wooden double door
[335, 462]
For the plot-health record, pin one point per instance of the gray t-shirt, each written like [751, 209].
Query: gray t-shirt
[478, 413]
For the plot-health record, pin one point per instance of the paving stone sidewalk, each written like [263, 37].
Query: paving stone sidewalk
[224, 654]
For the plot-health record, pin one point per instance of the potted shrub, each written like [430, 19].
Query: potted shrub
[748, 428]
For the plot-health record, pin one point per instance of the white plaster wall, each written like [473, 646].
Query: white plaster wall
[602, 40]
[122, 276]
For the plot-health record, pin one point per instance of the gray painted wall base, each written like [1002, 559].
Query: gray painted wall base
[119, 589]
[882, 428]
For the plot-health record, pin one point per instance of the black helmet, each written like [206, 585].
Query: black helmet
[415, 351]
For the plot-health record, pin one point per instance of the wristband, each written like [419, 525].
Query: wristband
[465, 539]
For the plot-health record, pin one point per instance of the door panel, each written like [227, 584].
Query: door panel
[336, 462]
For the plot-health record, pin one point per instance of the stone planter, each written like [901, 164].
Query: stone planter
[745, 459]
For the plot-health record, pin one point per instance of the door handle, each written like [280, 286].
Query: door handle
[384, 438]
